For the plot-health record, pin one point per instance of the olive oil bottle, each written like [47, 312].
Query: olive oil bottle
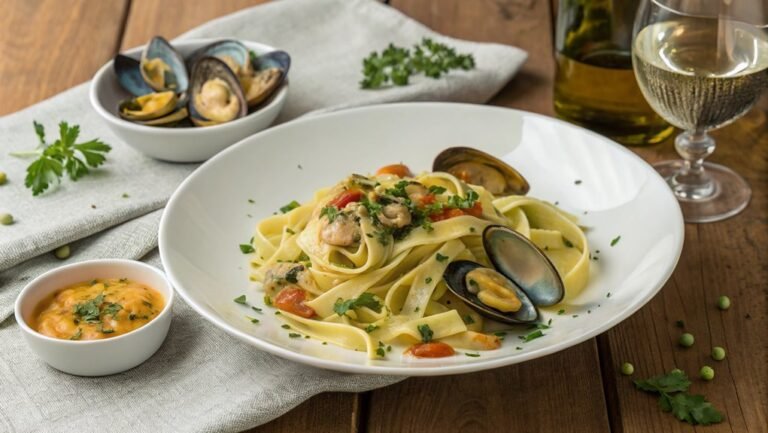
[595, 85]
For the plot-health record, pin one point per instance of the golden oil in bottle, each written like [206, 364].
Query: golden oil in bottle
[595, 85]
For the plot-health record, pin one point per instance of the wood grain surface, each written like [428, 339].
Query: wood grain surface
[48, 46]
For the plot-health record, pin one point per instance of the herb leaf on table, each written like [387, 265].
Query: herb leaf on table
[60, 156]
[673, 397]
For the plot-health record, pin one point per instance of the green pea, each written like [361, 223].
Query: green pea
[627, 369]
[686, 340]
[723, 303]
[62, 252]
[676, 370]
[6, 219]
[3, 177]
[718, 353]
[707, 373]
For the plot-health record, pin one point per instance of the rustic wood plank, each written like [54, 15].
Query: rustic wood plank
[541, 395]
[48, 46]
[725, 258]
[324, 413]
[148, 18]
[330, 412]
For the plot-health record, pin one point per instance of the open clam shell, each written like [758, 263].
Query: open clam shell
[456, 279]
[518, 259]
[479, 168]
[215, 93]
[163, 68]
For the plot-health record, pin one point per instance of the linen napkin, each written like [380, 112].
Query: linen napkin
[201, 379]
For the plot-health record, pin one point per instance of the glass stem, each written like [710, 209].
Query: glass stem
[692, 182]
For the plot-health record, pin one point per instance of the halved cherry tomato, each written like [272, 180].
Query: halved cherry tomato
[435, 349]
[428, 199]
[291, 299]
[399, 170]
[446, 214]
[346, 197]
[476, 210]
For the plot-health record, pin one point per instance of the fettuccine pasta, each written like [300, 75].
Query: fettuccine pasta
[361, 264]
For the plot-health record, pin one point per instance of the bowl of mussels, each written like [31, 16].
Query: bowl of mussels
[186, 101]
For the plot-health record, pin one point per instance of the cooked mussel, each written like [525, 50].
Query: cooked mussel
[215, 93]
[522, 278]
[259, 76]
[162, 67]
[150, 106]
[479, 168]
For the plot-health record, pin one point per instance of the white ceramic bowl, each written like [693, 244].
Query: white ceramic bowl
[191, 144]
[95, 357]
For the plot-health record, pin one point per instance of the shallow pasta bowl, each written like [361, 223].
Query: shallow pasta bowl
[630, 215]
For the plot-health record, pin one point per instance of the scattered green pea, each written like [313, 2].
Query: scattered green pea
[718, 353]
[62, 252]
[6, 219]
[627, 369]
[3, 177]
[707, 373]
[676, 370]
[723, 303]
[686, 340]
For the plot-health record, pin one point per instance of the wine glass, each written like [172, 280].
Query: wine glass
[701, 64]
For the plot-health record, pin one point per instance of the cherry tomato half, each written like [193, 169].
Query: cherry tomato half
[399, 170]
[433, 349]
[346, 197]
[291, 299]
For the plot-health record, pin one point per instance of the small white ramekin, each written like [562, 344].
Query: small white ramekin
[95, 357]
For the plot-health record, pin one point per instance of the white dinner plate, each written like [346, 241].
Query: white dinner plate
[615, 194]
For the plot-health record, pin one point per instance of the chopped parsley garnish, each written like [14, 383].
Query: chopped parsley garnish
[77, 335]
[673, 397]
[561, 312]
[111, 309]
[436, 189]
[246, 248]
[289, 231]
[608, 295]
[473, 355]
[294, 335]
[252, 319]
[267, 300]
[107, 331]
[241, 300]
[381, 350]
[577, 182]
[331, 212]
[292, 275]
[472, 230]
[441, 258]
[464, 202]
[286, 326]
[426, 333]
[532, 336]
[290, 206]
[256, 309]
[468, 320]
[567, 243]
[428, 280]
[615, 240]
[89, 311]
[500, 334]
[366, 299]
[370, 328]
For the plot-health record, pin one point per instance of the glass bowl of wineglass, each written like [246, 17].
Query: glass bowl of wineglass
[702, 64]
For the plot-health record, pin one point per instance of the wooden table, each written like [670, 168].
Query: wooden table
[47, 46]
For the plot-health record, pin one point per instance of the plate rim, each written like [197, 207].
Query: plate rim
[405, 370]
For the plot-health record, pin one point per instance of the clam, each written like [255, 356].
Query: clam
[162, 67]
[479, 168]
[215, 93]
[522, 278]
[259, 76]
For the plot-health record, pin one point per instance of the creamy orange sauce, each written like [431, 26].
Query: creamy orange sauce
[97, 309]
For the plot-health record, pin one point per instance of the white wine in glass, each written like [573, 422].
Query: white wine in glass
[701, 65]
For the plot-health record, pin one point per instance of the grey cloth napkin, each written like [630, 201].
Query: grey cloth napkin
[201, 379]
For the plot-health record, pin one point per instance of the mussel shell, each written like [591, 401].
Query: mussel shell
[160, 48]
[518, 259]
[207, 68]
[451, 157]
[226, 47]
[455, 278]
[129, 75]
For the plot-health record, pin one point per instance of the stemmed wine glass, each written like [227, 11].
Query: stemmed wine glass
[701, 64]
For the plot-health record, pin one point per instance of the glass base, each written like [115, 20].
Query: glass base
[724, 195]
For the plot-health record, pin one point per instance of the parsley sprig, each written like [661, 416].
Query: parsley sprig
[395, 64]
[673, 397]
[364, 300]
[63, 155]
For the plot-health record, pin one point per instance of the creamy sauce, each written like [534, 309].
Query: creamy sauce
[97, 309]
